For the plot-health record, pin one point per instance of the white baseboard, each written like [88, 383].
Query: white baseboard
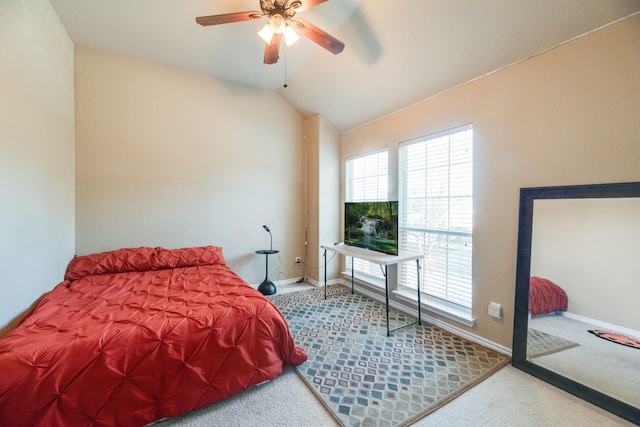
[294, 281]
[604, 325]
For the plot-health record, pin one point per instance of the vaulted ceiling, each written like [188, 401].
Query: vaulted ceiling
[397, 52]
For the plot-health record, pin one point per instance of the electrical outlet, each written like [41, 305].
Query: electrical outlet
[298, 260]
[495, 310]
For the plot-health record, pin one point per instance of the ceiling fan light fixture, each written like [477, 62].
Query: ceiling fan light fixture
[290, 36]
[266, 33]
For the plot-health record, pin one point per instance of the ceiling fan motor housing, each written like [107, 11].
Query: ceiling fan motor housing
[286, 9]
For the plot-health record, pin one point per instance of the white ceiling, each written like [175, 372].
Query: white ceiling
[397, 52]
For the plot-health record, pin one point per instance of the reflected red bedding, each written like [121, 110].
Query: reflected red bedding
[136, 335]
[546, 297]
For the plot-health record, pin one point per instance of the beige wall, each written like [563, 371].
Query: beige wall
[589, 247]
[329, 200]
[312, 167]
[36, 153]
[323, 197]
[173, 158]
[568, 116]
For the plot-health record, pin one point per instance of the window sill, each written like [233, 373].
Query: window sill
[458, 315]
[365, 279]
[461, 316]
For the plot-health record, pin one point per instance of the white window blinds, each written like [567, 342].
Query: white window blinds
[367, 181]
[436, 213]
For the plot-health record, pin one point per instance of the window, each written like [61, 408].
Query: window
[367, 181]
[436, 214]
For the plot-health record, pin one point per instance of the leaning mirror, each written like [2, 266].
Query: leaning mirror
[576, 320]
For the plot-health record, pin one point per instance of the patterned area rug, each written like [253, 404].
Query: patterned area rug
[368, 379]
[540, 344]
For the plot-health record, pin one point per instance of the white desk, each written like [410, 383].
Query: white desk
[377, 258]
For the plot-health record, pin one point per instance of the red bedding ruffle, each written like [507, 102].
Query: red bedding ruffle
[113, 345]
[546, 297]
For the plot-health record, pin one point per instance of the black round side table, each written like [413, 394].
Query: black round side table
[267, 287]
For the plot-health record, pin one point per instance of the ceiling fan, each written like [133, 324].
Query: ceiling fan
[282, 23]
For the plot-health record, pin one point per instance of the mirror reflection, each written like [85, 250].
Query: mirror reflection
[584, 322]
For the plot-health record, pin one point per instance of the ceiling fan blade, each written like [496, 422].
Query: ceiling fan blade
[318, 36]
[308, 4]
[272, 50]
[228, 17]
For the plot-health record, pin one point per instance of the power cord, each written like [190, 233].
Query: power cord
[320, 266]
[305, 265]
[280, 272]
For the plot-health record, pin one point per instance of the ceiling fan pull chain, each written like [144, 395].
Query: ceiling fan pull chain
[285, 66]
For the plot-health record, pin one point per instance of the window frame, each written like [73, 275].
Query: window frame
[371, 273]
[461, 301]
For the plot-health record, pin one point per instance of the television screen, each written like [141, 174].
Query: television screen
[372, 225]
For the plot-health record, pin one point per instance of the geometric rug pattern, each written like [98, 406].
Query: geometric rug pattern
[364, 377]
[540, 343]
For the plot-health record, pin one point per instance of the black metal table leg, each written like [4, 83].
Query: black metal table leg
[381, 260]
[352, 275]
[386, 292]
[325, 279]
[419, 303]
[386, 295]
[325, 274]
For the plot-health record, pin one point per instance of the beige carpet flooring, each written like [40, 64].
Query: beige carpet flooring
[611, 368]
[508, 398]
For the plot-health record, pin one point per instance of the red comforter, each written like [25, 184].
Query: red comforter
[546, 297]
[136, 335]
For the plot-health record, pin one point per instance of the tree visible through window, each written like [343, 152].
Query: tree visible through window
[436, 213]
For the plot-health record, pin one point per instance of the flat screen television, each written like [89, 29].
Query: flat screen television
[372, 225]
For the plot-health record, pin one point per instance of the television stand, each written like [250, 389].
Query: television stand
[380, 259]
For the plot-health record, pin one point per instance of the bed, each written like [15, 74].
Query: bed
[545, 297]
[136, 335]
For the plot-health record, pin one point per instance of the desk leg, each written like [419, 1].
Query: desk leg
[419, 304]
[386, 295]
[352, 277]
[325, 274]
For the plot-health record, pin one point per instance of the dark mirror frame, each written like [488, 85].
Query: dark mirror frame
[523, 272]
